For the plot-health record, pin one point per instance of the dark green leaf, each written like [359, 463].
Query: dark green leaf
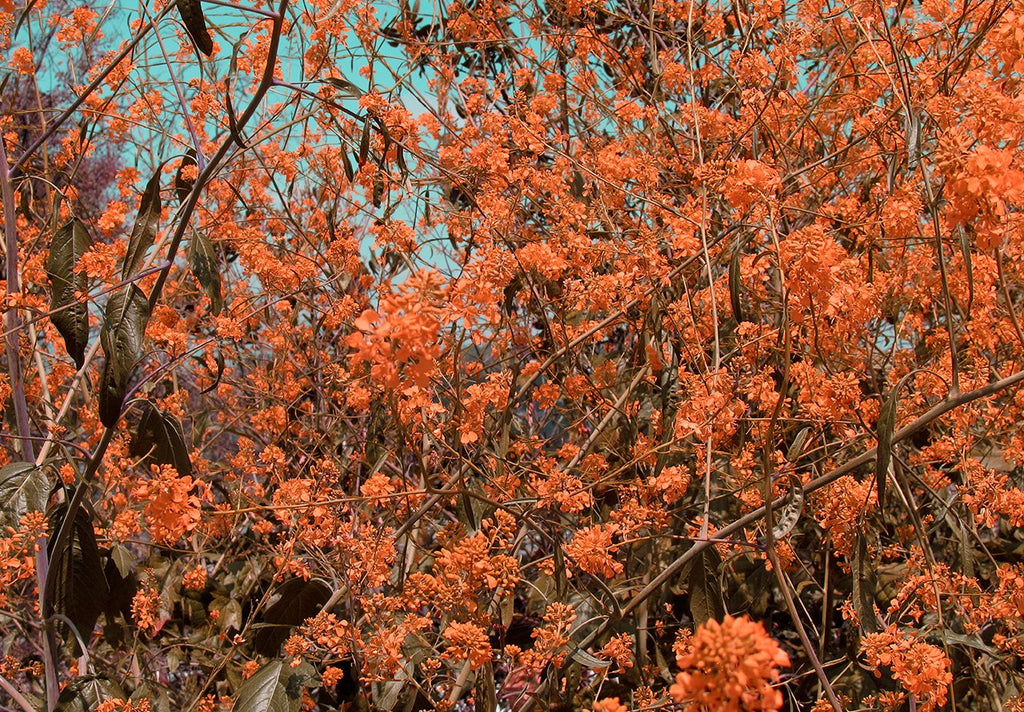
[219, 358]
[123, 560]
[576, 186]
[87, 693]
[72, 320]
[705, 590]
[23, 488]
[864, 584]
[264, 691]
[80, 588]
[233, 128]
[400, 159]
[796, 448]
[294, 601]
[159, 437]
[345, 87]
[122, 584]
[364, 143]
[124, 327]
[182, 185]
[378, 189]
[202, 260]
[195, 24]
[147, 222]
[965, 247]
[350, 172]
[886, 427]
[735, 285]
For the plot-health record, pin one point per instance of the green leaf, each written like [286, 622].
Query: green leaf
[345, 87]
[87, 693]
[159, 437]
[23, 488]
[274, 688]
[864, 584]
[195, 24]
[123, 560]
[350, 172]
[886, 427]
[80, 589]
[400, 160]
[124, 328]
[705, 591]
[68, 245]
[147, 222]
[377, 196]
[122, 584]
[364, 143]
[587, 660]
[233, 127]
[735, 284]
[202, 260]
[294, 601]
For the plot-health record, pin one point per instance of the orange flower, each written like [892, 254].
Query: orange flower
[146, 610]
[922, 669]
[22, 61]
[609, 704]
[729, 667]
[78, 26]
[468, 641]
[592, 550]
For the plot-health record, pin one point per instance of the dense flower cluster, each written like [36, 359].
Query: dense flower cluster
[922, 669]
[729, 667]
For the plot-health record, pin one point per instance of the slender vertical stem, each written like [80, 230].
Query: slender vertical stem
[12, 327]
[12, 314]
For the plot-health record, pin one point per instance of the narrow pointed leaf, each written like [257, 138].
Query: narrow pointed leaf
[146, 225]
[350, 172]
[886, 427]
[400, 160]
[705, 592]
[195, 24]
[87, 693]
[159, 438]
[296, 600]
[233, 128]
[80, 588]
[69, 243]
[124, 327]
[864, 586]
[23, 488]
[378, 189]
[345, 87]
[364, 143]
[202, 260]
[735, 285]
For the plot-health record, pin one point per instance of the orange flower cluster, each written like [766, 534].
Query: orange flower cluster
[592, 550]
[922, 669]
[17, 548]
[467, 641]
[729, 667]
[173, 506]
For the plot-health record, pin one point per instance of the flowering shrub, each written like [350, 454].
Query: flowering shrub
[493, 354]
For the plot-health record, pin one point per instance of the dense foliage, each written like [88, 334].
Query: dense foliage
[510, 355]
